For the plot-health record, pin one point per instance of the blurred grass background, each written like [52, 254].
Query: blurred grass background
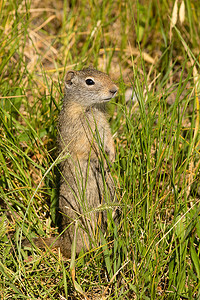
[152, 47]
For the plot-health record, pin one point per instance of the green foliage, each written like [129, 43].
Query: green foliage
[153, 252]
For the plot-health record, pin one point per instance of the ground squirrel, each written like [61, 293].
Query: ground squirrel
[85, 141]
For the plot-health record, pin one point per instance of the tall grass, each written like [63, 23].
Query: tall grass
[153, 253]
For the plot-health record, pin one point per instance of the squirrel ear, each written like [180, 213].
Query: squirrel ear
[68, 78]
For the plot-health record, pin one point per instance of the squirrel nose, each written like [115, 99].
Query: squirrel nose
[113, 90]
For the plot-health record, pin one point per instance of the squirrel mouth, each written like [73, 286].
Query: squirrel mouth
[107, 99]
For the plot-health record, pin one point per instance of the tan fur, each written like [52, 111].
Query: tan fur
[85, 135]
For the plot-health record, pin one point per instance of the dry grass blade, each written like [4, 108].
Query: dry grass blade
[112, 279]
[174, 14]
[182, 12]
[177, 222]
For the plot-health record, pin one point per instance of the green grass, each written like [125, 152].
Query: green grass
[154, 251]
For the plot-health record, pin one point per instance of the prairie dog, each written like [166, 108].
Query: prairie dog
[85, 142]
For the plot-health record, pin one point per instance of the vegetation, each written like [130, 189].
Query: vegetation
[153, 47]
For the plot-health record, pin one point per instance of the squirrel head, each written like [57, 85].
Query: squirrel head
[89, 86]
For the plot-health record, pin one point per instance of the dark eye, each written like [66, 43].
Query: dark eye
[89, 81]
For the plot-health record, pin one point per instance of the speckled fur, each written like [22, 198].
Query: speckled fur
[82, 189]
[83, 140]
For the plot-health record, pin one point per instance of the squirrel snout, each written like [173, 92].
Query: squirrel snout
[113, 90]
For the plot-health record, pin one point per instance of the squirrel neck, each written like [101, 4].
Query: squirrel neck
[77, 109]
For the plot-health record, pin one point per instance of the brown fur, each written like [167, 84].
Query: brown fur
[85, 137]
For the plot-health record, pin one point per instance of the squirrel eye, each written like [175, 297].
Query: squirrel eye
[89, 81]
